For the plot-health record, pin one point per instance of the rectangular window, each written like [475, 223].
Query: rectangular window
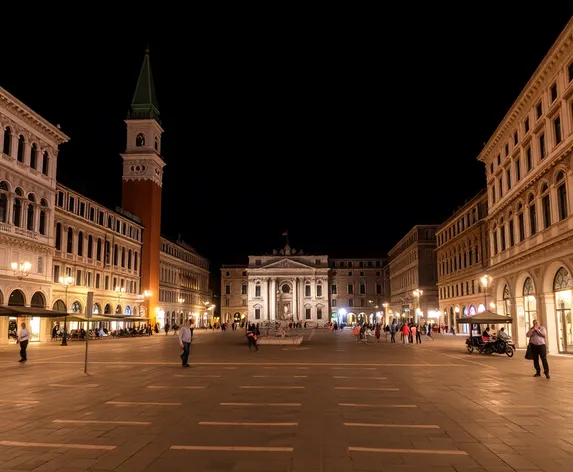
[56, 274]
[526, 125]
[521, 222]
[491, 168]
[100, 218]
[227, 290]
[82, 209]
[257, 290]
[502, 237]
[307, 313]
[317, 262]
[243, 302]
[92, 214]
[541, 146]
[257, 313]
[89, 279]
[570, 72]
[362, 302]
[507, 150]
[562, 200]
[307, 290]
[495, 242]
[319, 290]
[557, 130]
[350, 289]
[227, 302]
[518, 169]
[532, 219]
[79, 277]
[511, 233]
[508, 174]
[493, 194]
[362, 289]
[333, 289]
[515, 138]
[72, 204]
[546, 211]
[97, 281]
[244, 289]
[539, 110]
[333, 302]
[61, 199]
[498, 159]
[378, 289]
[553, 92]
[319, 313]
[528, 159]
[350, 302]
[500, 185]
[107, 282]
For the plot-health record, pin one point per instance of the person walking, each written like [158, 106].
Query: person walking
[252, 336]
[538, 348]
[393, 331]
[185, 343]
[23, 338]
[418, 335]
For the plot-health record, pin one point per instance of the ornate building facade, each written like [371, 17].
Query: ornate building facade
[28, 160]
[234, 293]
[183, 285]
[413, 278]
[529, 168]
[462, 256]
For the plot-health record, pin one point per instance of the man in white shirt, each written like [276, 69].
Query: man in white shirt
[23, 338]
[185, 337]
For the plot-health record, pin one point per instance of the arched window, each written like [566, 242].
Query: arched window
[17, 213]
[38, 300]
[42, 223]
[20, 156]
[140, 140]
[90, 246]
[96, 309]
[561, 195]
[118, 310]
[30, 213]
[532, 215]
[563, 280]
[529, 302]
[135, 266]
[98, 250]
[45, 163]
[307, 289]
[34, 156]
[128, 310]
[70, 244]
[122, 257]
[115, 254]
[107, 309]
[17, 298]
[59, 236]
[107, 252]
[60, 306]
[7, 141]
[3, 205]
[506, 300]
[546, 206]
[76, 307]
[80, 243]
[129, 259]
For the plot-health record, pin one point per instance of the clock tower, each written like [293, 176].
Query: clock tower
[143, 178]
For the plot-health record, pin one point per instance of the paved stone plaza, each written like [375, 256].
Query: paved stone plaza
[326, 405]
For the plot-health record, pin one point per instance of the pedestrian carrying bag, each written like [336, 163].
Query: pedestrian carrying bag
[529, 352]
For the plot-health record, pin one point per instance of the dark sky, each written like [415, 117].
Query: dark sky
[345, 129]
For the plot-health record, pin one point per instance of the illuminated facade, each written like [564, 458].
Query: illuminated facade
[529, 167]
[462, 258]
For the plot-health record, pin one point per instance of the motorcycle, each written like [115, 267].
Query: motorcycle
[499, 346]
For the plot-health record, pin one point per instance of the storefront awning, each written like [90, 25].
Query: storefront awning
[487, 317]
[29, 311]
[124, 318]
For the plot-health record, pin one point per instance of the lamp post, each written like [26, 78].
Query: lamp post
[120, 291]
[485, 281]
[418, 295]
[385, 305]
[21, 270]
[180, 300]
[147, 296]
[66, 282]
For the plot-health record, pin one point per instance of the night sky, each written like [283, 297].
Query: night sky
[343, 132]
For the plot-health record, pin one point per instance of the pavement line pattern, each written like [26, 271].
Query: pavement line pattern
[283, 376]
[351, 368]
[229, 368]
[369, 389]
[273, 387]
[232, 448]
[231, 423]
[467, 360]
[380, 425]
[157, 387]
[125, 423]
[198, 376]
[366, 405]
[455, 452]
[74, 386]
[21, 402]
[361, 378]
[257, 364]
[52, 445]
[258, 404]
[143, 403]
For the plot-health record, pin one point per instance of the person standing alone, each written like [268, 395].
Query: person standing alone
[538, 348]
[23, 338]
[185, 343]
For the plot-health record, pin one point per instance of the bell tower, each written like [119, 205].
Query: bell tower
[143, 178]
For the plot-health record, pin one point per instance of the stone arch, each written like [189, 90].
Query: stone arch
[17, 298]
[38, 300]
[551, 272]
[60, 306]
[1, 298]
[498, 290]
[107, 309]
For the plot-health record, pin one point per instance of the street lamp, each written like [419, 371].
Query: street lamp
[66, 282]
[147, 296]
[120, 291]
[385, 305]
[21, 270]
[418, 295]
[485, 281]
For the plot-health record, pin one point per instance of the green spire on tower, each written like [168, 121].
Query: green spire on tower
[144, 104]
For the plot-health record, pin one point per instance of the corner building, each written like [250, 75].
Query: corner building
[529, 167]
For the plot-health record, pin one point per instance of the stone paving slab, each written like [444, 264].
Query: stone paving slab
[488, 410]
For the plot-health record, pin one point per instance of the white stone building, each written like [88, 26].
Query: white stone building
[100, 250]
[183, 285]
[529, 167]
[28, 159]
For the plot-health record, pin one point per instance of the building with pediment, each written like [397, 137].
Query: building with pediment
[289, 285]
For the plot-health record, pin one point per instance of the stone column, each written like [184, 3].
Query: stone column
[301, 314]
[14, 144]
[294, 298]
[265, 293]
[547, 317]
[273, 299]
